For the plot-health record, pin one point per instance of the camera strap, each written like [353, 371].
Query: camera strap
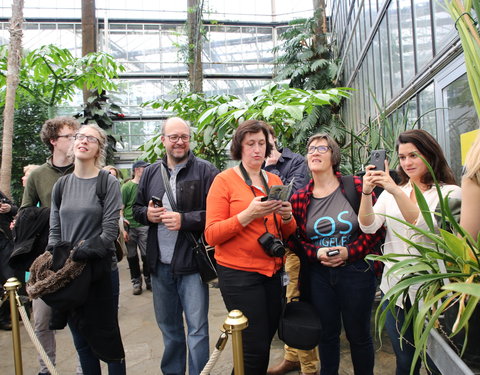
[248, 181]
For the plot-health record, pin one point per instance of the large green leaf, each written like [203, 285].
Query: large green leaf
[466, 288]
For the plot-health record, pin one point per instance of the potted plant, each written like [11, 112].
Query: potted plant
[446, 272]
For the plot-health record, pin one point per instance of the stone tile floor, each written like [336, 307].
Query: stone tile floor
[143, 342]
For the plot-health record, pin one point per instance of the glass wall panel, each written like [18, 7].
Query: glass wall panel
[406, 33]
[423, 31]
[378, 66]
[460, 118]
[411, 111]
[373, 10]
[385, 56]
[66, 35]
[426, 106]
[396, 67]
[371, 79]
[236, 50]
[135, 133]
[444, 26]
[361, 27]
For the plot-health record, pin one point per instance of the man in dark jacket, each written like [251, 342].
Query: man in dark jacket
[286, 164]
[7, 211]
[176, 284]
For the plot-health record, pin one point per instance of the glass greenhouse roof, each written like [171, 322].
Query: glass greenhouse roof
[215, 10]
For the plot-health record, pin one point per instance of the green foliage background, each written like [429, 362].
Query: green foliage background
[27, 148]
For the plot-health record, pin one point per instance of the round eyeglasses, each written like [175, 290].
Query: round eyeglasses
[320, 149]
[89, 138]
[174, 137]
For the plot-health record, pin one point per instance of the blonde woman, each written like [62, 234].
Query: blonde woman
[26, 172]
[91, 227]
[471, 191]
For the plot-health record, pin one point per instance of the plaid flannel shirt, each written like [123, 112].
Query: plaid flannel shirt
[358, 249]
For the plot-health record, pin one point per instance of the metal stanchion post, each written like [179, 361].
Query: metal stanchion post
[235, 323]
[12, 286]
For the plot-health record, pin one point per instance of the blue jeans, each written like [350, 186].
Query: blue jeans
[89, 362]
[344, 294]
[174, 296]
[403, 352]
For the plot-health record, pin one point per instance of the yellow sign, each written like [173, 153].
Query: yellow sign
[466, 141]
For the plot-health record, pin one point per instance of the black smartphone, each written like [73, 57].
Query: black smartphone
[264, 199]
[378, 159]
[332, 253]
[157, 202]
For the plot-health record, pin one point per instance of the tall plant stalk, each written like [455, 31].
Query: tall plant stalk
[462, 13]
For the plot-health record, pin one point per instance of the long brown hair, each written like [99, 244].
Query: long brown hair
[432, 152]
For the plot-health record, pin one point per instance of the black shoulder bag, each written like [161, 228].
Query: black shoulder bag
[204, 255]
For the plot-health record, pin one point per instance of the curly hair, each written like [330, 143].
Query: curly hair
[102, 144]
[51, 129]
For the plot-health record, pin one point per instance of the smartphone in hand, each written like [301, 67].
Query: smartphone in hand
[332, 253]
[377, 159]
[157, 202]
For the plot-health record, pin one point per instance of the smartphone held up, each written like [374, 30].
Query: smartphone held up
[377, 159]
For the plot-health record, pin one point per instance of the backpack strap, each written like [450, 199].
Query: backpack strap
[351, 192]
[102, 183]
[101, 187]
[58, 189]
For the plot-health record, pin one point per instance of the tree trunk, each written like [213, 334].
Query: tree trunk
[14, 56]
[194, 26]
[321, 24]
[89, 35]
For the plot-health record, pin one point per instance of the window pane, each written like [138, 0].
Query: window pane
[426, 104]
[384, 51]
[379, 95]
[444, 26]
[406, 32]
[461, 117]
[394, 47]
[423, 30]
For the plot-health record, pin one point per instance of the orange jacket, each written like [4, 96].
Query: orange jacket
[237, 246]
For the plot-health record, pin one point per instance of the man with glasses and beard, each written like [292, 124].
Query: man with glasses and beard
[176, 284]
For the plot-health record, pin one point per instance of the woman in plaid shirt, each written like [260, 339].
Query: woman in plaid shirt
[341, 283]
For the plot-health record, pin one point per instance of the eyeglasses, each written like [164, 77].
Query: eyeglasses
[320, 149]
[174, 137]
[68, 136]
[89, 138]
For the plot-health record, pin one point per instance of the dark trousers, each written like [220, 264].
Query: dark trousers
[88, 360]
[259, 298]
[344, 295]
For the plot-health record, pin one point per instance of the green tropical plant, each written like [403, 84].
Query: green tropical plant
[447, 271]
[52, 75]
[27, 147]
[305, 61]
[216, 118]
[190, 107]
[101, 110]
[302, 61]
[463, 13]
[380, 132]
